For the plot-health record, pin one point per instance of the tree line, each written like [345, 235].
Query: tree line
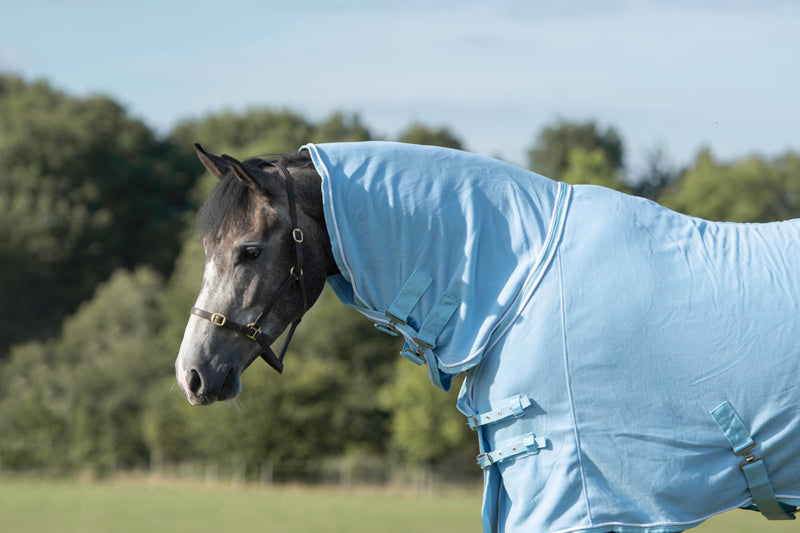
[99, 265]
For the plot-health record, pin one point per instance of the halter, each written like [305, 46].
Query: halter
[253, 330]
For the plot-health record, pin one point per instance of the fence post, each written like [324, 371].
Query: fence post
[212, 472]
[267, 472]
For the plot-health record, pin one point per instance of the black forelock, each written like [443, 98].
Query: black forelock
[231, 202]
[227, 207]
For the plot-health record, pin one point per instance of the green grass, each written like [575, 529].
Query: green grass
[143, 506]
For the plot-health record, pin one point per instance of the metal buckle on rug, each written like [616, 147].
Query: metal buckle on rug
[749, 458]
[391, 327]
[421, 346]
[417, 355]
[484, 460]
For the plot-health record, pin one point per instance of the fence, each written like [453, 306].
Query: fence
[343, 473]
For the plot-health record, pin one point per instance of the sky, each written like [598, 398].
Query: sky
[677, 75]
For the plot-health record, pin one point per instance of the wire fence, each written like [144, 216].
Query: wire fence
[342, 473]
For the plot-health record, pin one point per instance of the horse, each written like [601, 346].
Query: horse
[628, 368]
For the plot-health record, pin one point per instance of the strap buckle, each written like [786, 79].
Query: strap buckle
[218, 319]
[422, 346]
[297, 235]
[394, 320]
[254, 333]
[484, 460]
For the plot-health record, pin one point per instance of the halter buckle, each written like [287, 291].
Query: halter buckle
[254, 332]
[218, 319]
[297, 235]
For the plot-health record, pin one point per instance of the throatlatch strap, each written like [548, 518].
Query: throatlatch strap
[522, 446]
[514, 406]
[753, 468]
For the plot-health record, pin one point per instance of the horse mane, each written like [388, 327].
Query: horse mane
[230, 203]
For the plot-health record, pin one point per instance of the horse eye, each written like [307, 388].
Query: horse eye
[250, 253]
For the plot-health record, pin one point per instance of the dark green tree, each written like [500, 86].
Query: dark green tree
[77, 401]
[341, 128]
[84, 190]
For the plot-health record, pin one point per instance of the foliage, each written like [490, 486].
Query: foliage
[420, 134]
[425, 425]
[84, 190]
[592, 168]
[551, 152]
[91, 202]
[749, 190]
[76, 401]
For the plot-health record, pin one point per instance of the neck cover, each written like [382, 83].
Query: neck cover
[472, 228]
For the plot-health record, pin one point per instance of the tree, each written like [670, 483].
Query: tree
[84, 190]
[420, 134]
[657, 175]
[341, 128]
[550, 153]
[252, 133]
[748, 190]
[425, 425]
[592, 168]
[83, 393]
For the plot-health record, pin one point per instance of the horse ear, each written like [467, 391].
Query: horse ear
[241, 172]
[214, 164]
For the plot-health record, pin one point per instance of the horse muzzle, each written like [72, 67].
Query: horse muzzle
[206, 386]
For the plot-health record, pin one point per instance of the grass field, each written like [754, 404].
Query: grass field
[144, 506]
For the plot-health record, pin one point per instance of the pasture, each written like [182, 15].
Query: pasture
[159, 506]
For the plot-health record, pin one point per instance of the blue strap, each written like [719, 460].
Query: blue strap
[514, 406]
[425, 339]
[518, 447]
[434, 323]
[753, 468]
[408, 297]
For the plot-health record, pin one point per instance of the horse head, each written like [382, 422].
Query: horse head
[267, 257]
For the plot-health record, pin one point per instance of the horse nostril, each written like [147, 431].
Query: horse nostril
[195, 382]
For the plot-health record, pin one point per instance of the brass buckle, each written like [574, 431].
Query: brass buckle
[749, 458]
[422, 345]
[386, 328]
[255, 332]
[394, 320]
[218, 319]
[747, 450]
[488, 459]
[297, 235]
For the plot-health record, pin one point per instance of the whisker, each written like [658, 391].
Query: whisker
[236, 406]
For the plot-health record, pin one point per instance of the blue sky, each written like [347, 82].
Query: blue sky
[681, 74]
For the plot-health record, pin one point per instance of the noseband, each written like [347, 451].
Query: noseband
[253, 330]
